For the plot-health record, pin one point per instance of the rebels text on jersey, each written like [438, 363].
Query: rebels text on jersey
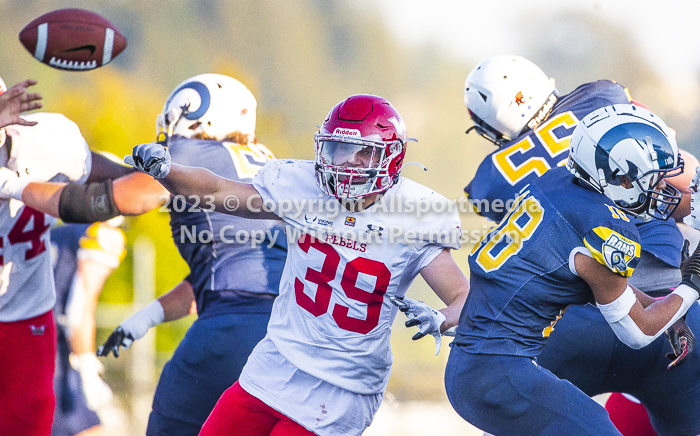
[522, 272]
[51, 151]
[333, 316]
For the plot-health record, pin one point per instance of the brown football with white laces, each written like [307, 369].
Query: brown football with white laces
[73, 40]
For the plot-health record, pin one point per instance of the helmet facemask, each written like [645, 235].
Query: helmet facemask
[351, 167]
[485, 131]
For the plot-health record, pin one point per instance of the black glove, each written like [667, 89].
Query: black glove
[682, 341]
[690, 267]
[118, 338]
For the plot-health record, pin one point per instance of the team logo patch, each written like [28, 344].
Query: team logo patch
[350, 221]
[317, 220]
[617, 251]
[613, 250]
[37, 330]
[371, 228]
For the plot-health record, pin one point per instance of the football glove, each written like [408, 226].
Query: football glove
[682, 341]
[151, 158]
[132, 329]
[420, 314]
[690, 267]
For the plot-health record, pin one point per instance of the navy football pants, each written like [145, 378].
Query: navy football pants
[206, 363]
[512, 395]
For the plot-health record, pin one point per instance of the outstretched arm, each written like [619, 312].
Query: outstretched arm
[226, 196]
[133, 194]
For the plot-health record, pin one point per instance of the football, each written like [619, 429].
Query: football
[73, 40]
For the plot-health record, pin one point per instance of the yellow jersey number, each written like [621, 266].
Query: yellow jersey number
[248, 159]
[551, 142]
[513, 231]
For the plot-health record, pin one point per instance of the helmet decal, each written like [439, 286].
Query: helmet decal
[204, 97]
[226, 109]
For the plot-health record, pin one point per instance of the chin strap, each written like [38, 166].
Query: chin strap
[414, 163]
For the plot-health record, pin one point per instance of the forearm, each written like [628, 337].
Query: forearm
[225, 195]
[93, 276]
[643, 298]
[138, 193]
[178, 301]
[452, 312]
[43, 197]
[655, 318]
[104, 168]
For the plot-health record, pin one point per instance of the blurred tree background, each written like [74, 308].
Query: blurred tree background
[299, 58]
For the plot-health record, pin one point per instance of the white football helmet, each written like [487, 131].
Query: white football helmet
[209, 105]
[505, 95]
[624, 151]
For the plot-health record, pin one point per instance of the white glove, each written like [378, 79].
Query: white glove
[695, 200]
[97, 392]
[132, 329]
[420, 314]
[151, 158]
[11, 185]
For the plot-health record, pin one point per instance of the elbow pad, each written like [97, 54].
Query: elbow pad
[87, 203]
[617, 315]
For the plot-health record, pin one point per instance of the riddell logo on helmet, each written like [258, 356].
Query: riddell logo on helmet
[543, 112]
[346, 132]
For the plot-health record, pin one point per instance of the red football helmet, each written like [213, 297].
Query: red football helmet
[360, 147]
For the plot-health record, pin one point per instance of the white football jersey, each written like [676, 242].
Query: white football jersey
[333, 316]
[52, 151]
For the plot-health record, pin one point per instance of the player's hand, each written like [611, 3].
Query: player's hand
[420, 314]
[133, 328]
[682, 341]
[97, 392]
[151, 158]
[690, 267]
[15, 101]
[119, 338]
[694, 189]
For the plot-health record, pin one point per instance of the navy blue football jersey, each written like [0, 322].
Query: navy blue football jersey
[502, 175]
[219, 248]
[522, 276]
